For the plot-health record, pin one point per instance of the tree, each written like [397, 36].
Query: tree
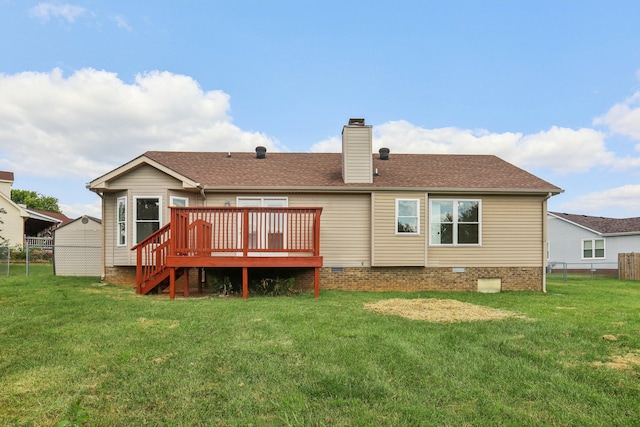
[34, 200]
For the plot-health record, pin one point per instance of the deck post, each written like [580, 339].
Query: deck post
[245, 282]
[186, 281]
[172, 283]
[139, 270]
[245, 232]
[316, 282]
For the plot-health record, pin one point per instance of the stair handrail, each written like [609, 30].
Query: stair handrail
[156, 256]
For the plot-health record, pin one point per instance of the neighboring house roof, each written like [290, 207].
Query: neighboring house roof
[425, 172]
[54, 217]
[6, 176]
[91, 218]
[602, 225]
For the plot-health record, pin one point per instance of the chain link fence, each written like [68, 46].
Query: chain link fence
[62, 260]
[590, 268]
[5, 260]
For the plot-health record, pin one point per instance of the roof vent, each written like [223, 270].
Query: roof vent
[261, 152]
[356, 122]
[384, 153]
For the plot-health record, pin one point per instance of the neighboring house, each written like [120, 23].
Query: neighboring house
[590, 242]
[20, 222]
[78, 248]
[351, 220]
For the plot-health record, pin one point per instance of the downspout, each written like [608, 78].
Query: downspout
[104, 239]
[104, 233]
[201, 272]
[204, 196]
[544, 243]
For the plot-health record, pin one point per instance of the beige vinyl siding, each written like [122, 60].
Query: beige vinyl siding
[116, 255]
[391, 249]
[219, 199]
[145, 181]
[512, 235]
[12, 229]
[357, 162]
[78, 249]
[5, 187]
[345, 225]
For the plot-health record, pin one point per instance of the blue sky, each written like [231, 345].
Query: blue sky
[551, 86]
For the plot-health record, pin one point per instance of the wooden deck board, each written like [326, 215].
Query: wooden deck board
[240, 261]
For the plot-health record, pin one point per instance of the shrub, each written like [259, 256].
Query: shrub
[274, 286]
[18, 254]
[221, 285]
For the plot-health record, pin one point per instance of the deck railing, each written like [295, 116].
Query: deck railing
[227, 231]
[244, 231]
[151, 255]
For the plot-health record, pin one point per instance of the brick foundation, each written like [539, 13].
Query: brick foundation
[408, 279]
[411, 279]
[124, 276]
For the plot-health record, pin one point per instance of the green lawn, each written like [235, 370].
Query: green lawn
[74, 344]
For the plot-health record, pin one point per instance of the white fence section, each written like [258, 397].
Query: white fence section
[39, 242]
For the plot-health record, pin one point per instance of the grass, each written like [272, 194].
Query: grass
[70, 345]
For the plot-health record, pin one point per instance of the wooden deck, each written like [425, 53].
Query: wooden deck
[229, 237]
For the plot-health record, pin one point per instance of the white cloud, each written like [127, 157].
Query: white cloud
[563, 150]
[545, 149]
[625, 201]
[78, 209]
[121, 22]
[623, 118]
[91, 122]
[45, 11]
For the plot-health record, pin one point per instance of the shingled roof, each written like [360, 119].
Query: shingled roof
[601, 224]
[323, 171]
[59, 216]
[6, 176]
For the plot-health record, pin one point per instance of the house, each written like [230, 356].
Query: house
[20, 223]
[590, 243]
[350, 220]
[78, 248]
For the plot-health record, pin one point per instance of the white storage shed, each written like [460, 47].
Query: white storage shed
[78, 248]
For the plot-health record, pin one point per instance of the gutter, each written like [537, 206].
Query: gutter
[367, 188]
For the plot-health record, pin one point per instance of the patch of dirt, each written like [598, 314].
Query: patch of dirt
[439, 310]
[610, 337]
[622, 363]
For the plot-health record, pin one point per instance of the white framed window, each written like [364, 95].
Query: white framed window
[593, 249]
[121, 219]
[148, 216]
[455, 222]
[262, 201]
[408, 216]
[178, 201]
